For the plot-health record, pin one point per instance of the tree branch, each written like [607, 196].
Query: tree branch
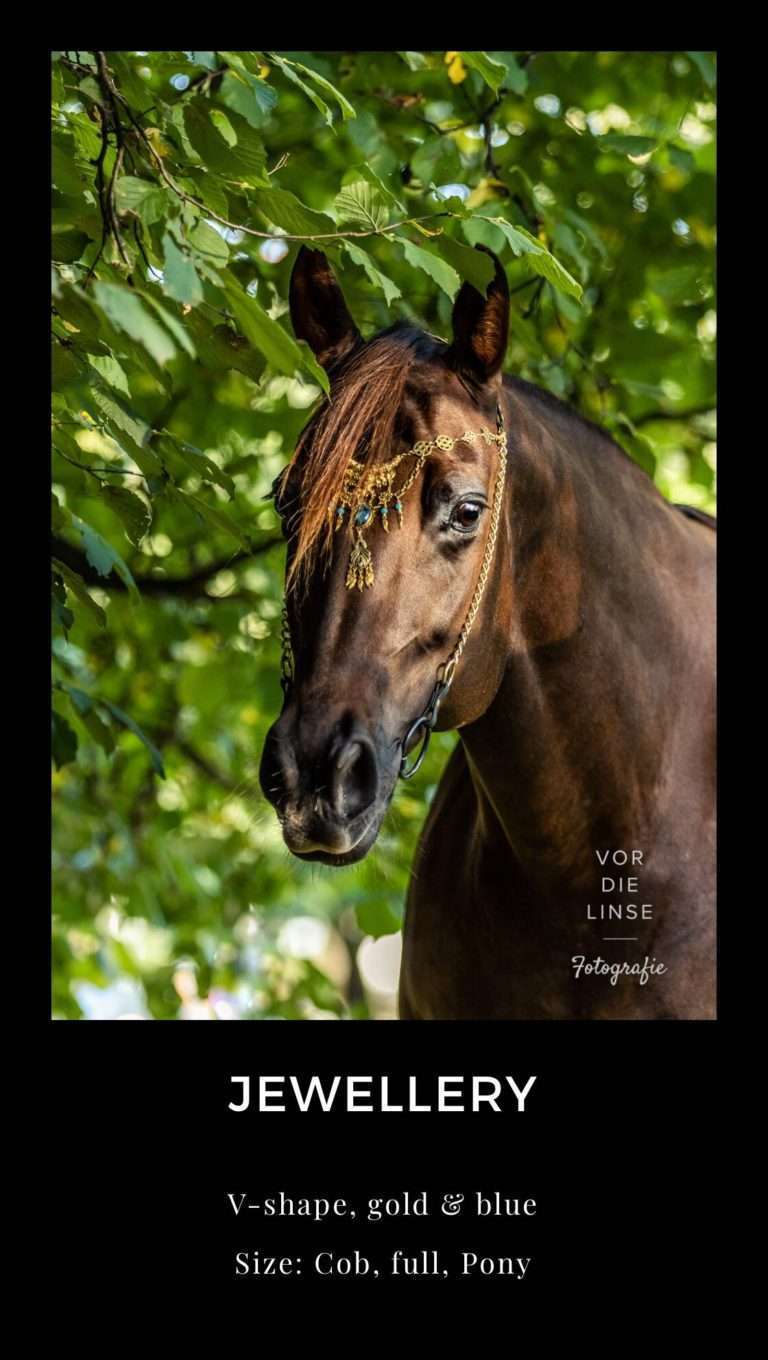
[189, 587]
[240, 226]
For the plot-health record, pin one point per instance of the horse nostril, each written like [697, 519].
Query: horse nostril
[347, 756]
[354, 778]
[278, 771]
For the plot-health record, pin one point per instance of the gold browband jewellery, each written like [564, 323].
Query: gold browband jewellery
[370, 491]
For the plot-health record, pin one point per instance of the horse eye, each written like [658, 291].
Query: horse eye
[466, 516]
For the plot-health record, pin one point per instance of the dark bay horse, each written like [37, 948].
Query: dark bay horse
[566, 867]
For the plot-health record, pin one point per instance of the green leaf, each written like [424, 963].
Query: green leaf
[67, 246]
[127, 721]
[245, 94]
[77, 587]
[129, 192]
[180, 280]
[367, 173]
[65, 173]
[626, 145]
[564, 237]
[143, 197]
[58, 93]
[265, 94]
[347, 111]
[125, 421]
[103, 557]
[206, 139]
[248, 158]
[61, 615]
[198, 462]
[452, 206]
[134, 514]
[278, 348]
[676, 285]
[681, 159]
[415, 61]
[83, 706]
[222, 347]
[283, 209]
[76, 308]
[177, 329]
[436, 159]
[494, 73]
[376, 917]
[206, 59]
[443, 274]
[58, 515]
[63, 741]
[210, 133]
[92, 90]
[291, 72]
[209, 243]
[64, 365]
[593, 236]
[540, 259]
[313, 368]
[705, 65]
[526, 334]
[210, 513]
[112, 372]
[379, 280]
[474, 266]
[123, 308]
[555, 273]
[361, 205]
[480, 231]
[207, 188]
[516, 78]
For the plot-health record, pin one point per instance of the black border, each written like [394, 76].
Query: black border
[620, 1140]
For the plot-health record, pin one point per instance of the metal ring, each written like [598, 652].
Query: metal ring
[423, 721]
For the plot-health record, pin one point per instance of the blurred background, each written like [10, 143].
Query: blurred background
[183, 183]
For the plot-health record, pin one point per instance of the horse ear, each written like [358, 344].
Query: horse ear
[318, 311]
[481, 325]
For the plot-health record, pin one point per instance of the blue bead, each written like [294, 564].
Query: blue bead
[363, 515]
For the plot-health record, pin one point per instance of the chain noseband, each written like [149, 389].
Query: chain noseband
[426, 722]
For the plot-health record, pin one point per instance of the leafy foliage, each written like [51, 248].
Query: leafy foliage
[183, 183]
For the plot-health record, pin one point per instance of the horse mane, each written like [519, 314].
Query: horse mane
[362, 420]
[564, 410]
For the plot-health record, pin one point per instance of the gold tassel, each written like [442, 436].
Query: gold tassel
[360, 569]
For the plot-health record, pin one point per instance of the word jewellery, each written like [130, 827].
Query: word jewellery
[370, 491]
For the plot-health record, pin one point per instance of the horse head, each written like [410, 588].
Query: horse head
[391, 507]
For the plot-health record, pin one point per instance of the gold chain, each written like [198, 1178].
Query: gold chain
[369, 491]
[446, 671]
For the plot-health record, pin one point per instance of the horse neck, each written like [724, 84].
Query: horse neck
[566, 757]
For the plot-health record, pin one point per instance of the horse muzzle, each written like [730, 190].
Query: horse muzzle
[328, 784]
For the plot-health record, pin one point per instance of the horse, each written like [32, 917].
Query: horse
[566, 868]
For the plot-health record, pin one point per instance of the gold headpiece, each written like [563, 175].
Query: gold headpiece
[370, 491]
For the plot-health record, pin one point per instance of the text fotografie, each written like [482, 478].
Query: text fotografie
[380, 1094]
